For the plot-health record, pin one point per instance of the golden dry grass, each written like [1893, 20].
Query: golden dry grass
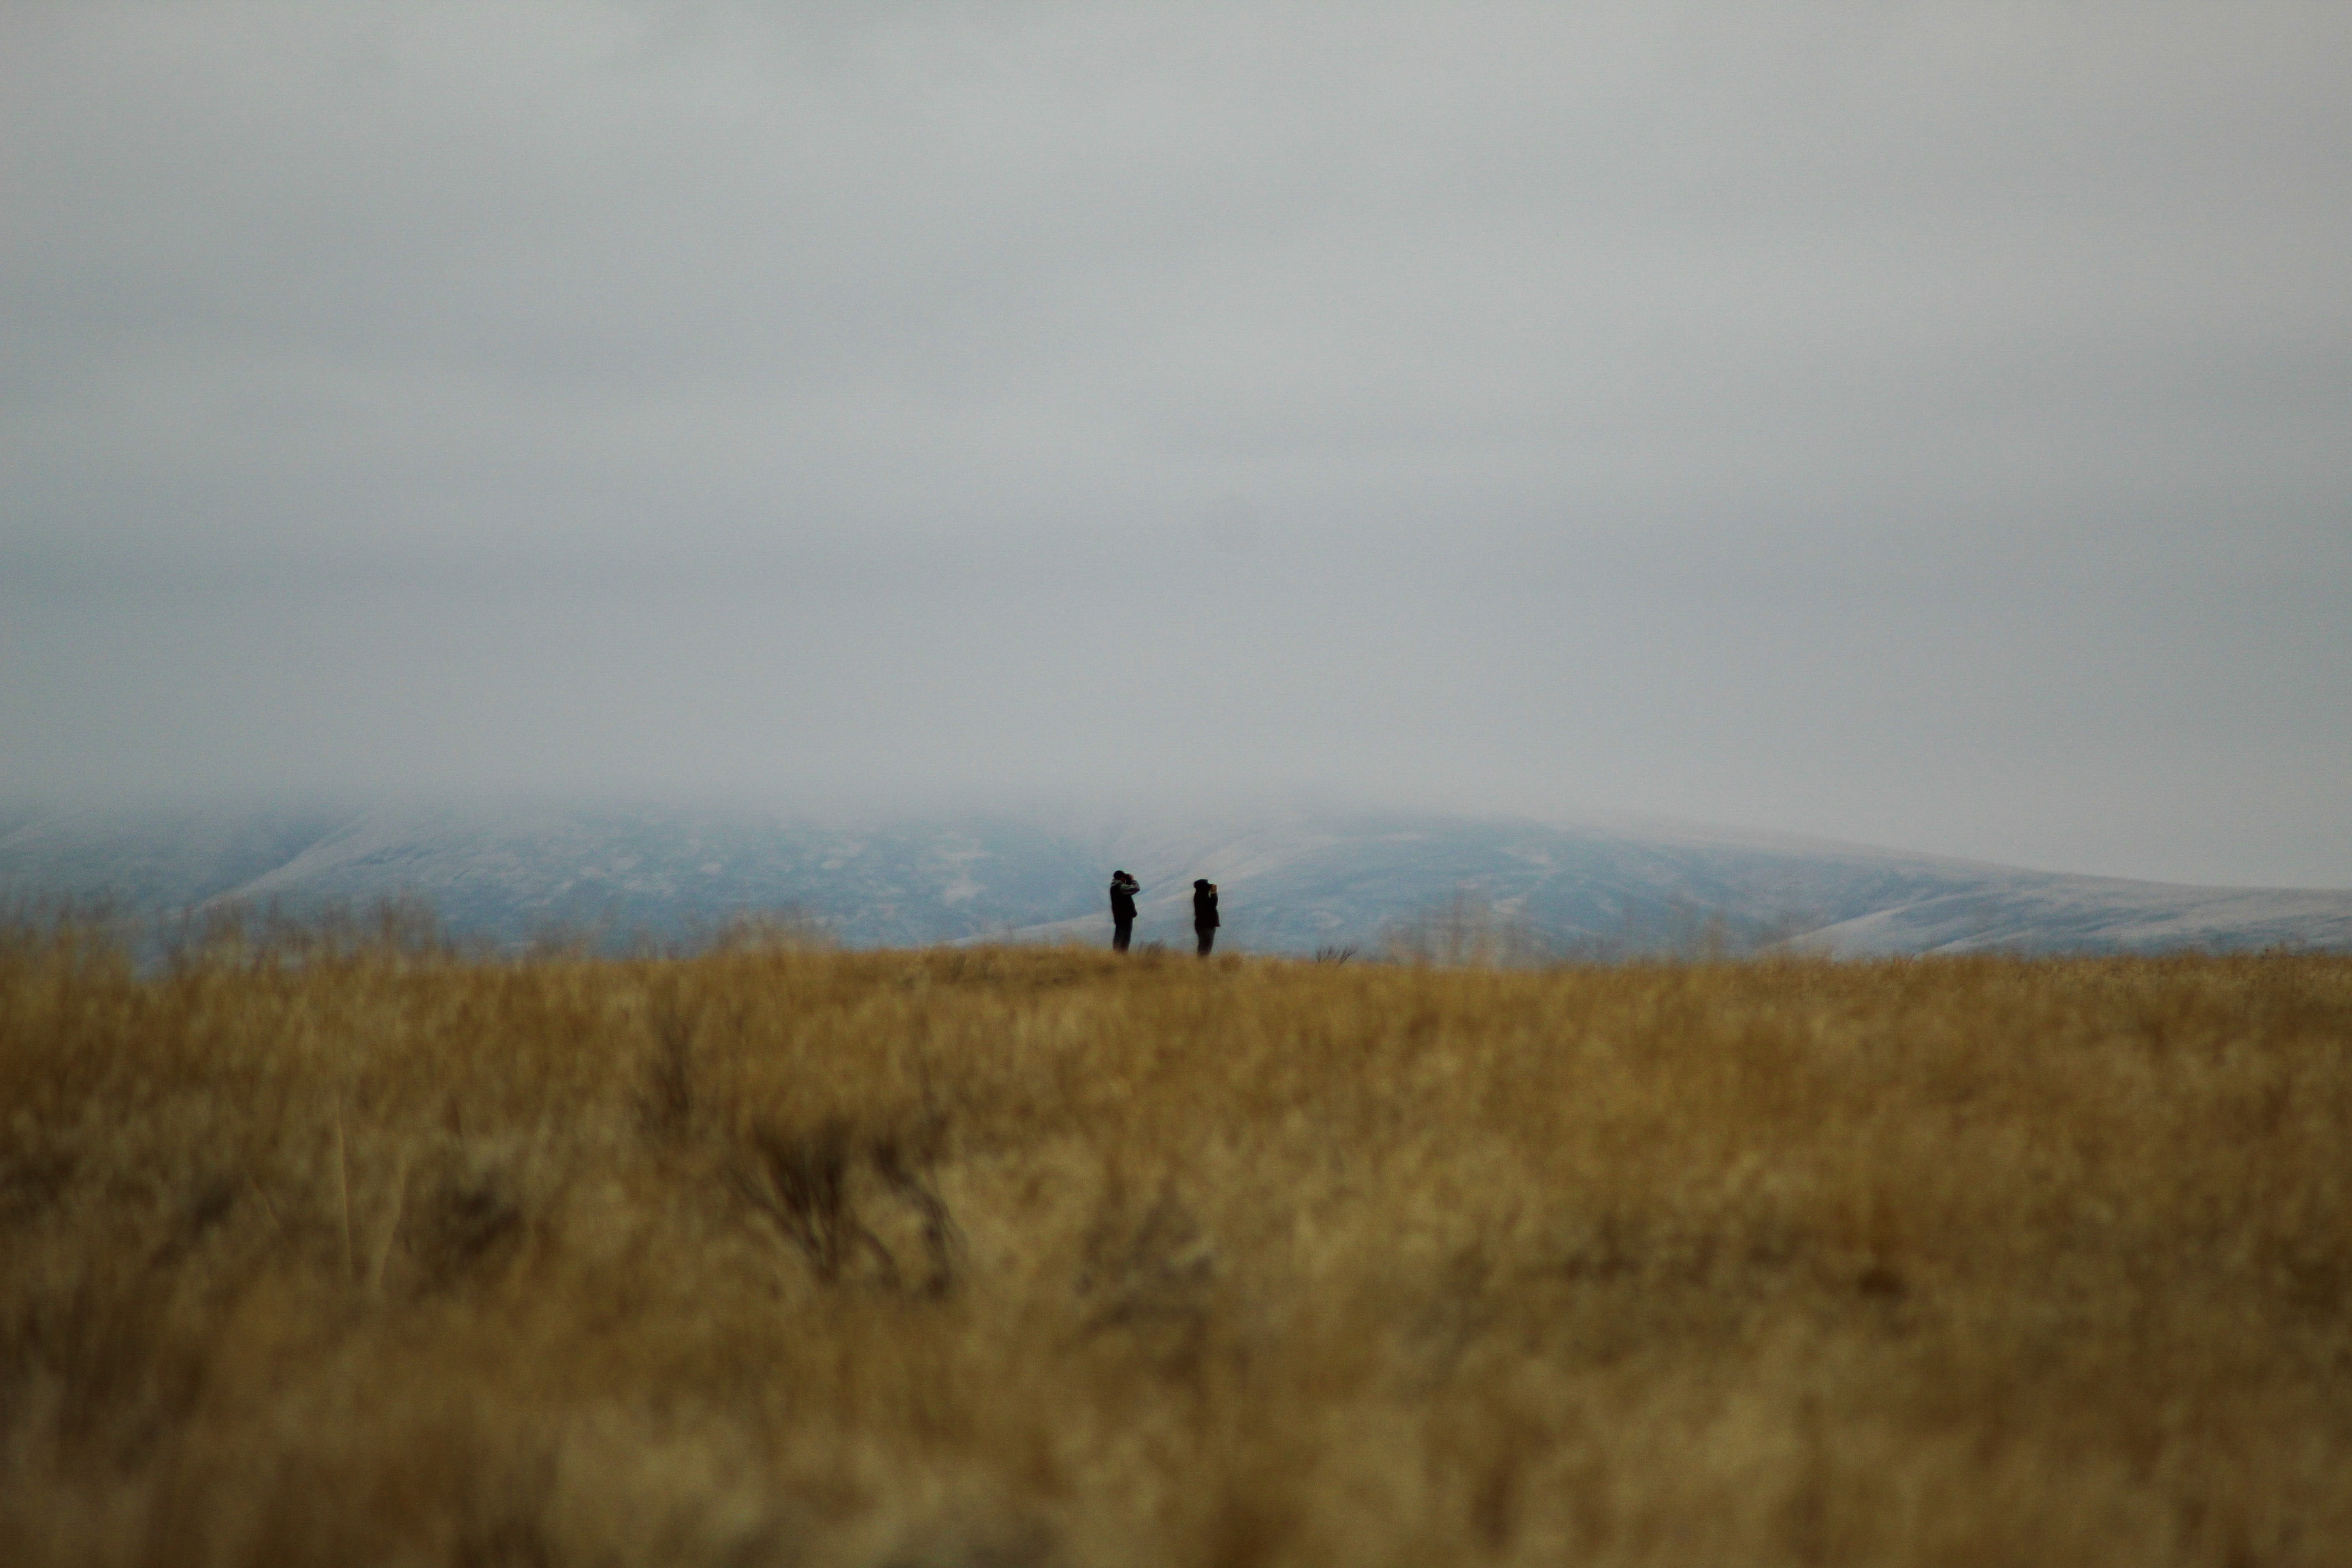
[1014, 1256]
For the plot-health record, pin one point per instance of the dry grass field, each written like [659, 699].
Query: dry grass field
[1013, 1256]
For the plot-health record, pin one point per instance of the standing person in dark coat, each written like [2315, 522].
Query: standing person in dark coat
[1123, 888]
[1204, 913]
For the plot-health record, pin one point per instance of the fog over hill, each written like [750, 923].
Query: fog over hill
[1294, 879]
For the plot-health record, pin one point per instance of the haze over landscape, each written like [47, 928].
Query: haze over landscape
[1744, 607]
[1297, 880]
[1918, 426]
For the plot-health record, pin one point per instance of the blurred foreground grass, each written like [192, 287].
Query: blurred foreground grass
[376, 1254]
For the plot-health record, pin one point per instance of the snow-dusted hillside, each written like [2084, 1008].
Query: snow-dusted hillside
[2094, 914]
[1293, 881]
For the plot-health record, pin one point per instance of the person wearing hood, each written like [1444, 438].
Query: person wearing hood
[1204, 913]
[1123, 888]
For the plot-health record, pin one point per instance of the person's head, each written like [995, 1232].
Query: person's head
[1203, 882]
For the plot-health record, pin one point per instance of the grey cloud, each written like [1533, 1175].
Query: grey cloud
[1915, 422]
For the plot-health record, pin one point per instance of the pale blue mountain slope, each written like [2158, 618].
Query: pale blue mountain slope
[1292, 880]
[151, 862]
[2095, 914]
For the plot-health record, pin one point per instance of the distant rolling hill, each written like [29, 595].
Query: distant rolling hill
[1293, 881]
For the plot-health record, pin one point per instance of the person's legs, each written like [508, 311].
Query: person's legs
[1121, 931]
[1208, 935]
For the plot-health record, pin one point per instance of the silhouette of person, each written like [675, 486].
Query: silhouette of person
[1204, 913]
[1123, 888]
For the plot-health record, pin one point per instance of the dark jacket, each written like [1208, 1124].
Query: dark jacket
[1122, 898]
[1204, 907]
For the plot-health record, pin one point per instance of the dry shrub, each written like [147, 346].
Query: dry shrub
[1466, 930]
[355, 1251]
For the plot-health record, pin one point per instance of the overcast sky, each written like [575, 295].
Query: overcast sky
[1925, 424]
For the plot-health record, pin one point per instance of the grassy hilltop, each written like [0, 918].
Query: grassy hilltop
[1035, 1257]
